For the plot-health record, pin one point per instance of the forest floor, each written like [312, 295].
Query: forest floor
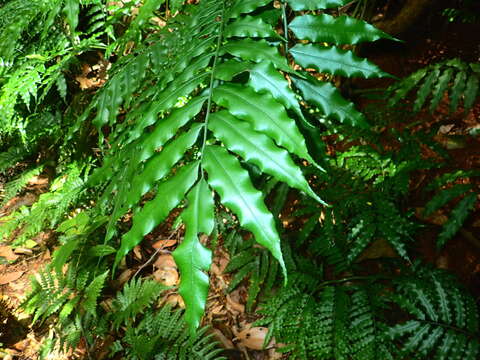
[226, 311]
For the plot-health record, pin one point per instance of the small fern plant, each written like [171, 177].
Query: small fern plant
[192, 121]
[40, 44]
[365, 187]
[444, 318]
[50, 208]
[421, 314]
[163, 335]
[320, 321]
[253, 263]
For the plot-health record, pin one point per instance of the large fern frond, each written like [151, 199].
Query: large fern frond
[192, 121]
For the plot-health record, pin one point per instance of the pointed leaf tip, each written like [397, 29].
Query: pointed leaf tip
[192, 257]
[233, 184]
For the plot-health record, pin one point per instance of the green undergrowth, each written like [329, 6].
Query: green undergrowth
[215, 115]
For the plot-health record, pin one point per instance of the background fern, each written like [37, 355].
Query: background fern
[50, 208]
[353, 318]
[445, 318]
[449, 187]
[13, 187]
[459, 78]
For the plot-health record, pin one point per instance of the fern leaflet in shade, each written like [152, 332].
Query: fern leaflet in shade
[457, 78]
[444, 318]
[448, 190]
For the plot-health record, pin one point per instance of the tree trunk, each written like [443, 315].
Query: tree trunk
[410, 12]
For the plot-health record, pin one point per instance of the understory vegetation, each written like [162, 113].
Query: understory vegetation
[231, 123]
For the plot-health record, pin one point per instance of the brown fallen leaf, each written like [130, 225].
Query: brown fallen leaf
[274, 355]
[215, 270]
[234, 306]
[164, 243]
[9, 277]
[253, 338]
[168, 277]
[437, 218]
[17, 287]
[379, 248]
[107, 305]
[23, 251]
[165, 262]
[40, 180]
[218, 310]
[224, 341]
[7, 253]
[137, 252]
[123, 278]
[175, 300]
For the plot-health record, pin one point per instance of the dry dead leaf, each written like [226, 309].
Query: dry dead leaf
[442, 262]
[103, 348]
[437, 218]
[86, 83]
[175, 300]
[253, 338]
[218, 310]
[7, 253]
[137, 252]
[23, 251]
[107, 305]
[274, 355]
[215, 270]
[168, 277]
[17, 286]
[17, 202]
[165, 262]
[9, 277]
[224, 341]
[235, 306]
[164, 243]
[203, 239]
[379, 248]
[123, 278]
[39, 181]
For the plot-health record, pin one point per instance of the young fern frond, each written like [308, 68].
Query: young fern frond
[359, 318]
[256, 265]
[56, 293]
[133, 300]
[365, 186]
[163, 335]
[152, 333]
[11, 156]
